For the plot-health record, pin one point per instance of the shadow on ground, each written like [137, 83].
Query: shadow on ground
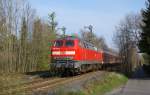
[41, 74]
[142, 73]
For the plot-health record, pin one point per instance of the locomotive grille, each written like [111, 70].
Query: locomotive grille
[63, 61]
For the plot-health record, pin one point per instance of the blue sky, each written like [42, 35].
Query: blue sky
[104, 15]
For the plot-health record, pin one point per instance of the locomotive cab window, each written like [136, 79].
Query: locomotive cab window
[58, 43]
[69, 43]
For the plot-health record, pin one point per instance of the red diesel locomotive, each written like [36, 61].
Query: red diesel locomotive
[73, 54]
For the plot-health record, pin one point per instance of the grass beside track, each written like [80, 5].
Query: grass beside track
[99, 87]
[12, 81]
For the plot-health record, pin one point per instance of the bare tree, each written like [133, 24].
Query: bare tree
[11, 14]
[52, 21]
[24, 39]
[99, 42]
[126, 39]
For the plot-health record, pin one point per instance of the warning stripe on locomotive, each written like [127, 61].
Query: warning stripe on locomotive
[63, 52]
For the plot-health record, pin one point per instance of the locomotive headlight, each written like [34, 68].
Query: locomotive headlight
[56, 53]
[70, 52]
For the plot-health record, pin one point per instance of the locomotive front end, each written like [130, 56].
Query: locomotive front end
[63, 55]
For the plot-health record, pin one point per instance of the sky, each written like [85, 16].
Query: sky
[103, 15]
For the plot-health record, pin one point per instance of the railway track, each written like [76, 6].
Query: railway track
[58, 82]
[36, 86]
[26, 86]
[50, 83]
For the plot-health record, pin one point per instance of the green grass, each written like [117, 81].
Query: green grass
[110, 82]
[100, 87]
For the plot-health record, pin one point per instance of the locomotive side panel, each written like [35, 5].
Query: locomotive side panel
[88, 54]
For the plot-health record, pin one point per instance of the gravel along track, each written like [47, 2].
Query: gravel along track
[70, 83]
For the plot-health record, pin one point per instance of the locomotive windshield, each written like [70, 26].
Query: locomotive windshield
[69, 43]
[58, 43]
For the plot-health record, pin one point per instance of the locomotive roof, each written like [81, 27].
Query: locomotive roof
[68, 37]
[73, 38]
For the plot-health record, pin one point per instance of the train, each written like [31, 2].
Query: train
[72, 54]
